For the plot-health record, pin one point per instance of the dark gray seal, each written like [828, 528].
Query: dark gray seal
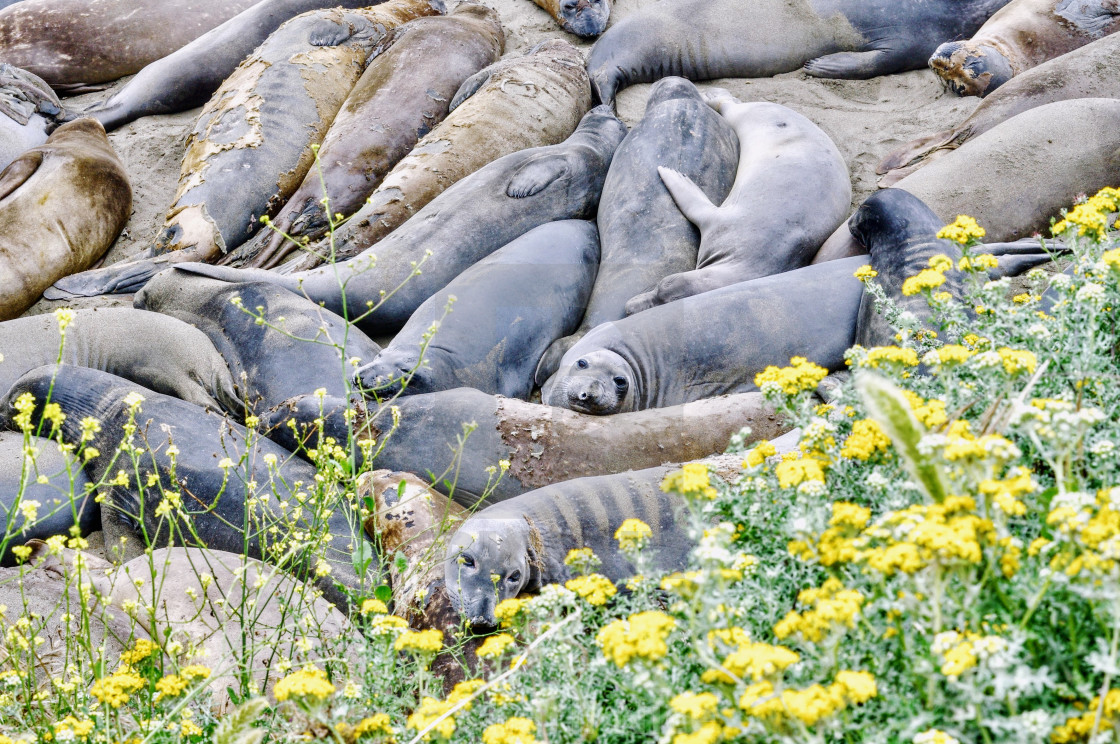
[520, 545]
[712, 343]
[153, 350]
[301, 348]
[707, 39]
[644, 236]
[504, 312]
[580, 17]
[543, 445]
[187, 77]
[760, 228]
[467, 222]
[214, 500]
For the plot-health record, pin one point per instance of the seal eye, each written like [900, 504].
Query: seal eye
[582, 364]
[514, 577]
[467, 561]
[621, 383]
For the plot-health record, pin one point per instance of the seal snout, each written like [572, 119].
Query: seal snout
[971, 69]
[585, 17]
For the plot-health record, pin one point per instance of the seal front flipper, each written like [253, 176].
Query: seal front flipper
[121, 278]
[18, 171]
[690, 199]
[852, 65]
[535, 176]
[470, 86]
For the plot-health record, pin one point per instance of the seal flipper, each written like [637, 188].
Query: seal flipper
[125, 277]
[329, 33]
[536, 175]
[469, 87]
[18, 171]
[851, 65]
[689, 198]
[922, 148]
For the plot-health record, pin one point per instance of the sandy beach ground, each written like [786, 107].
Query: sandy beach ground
[866, 119]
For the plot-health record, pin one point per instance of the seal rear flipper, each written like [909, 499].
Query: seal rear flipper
[535, 176]
[852, 65]
[689, 198]
[18, 171]
[918, 150]
[126, 277]
[470, 86]
[76, 89]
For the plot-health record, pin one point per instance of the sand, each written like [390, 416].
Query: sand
[866, 119]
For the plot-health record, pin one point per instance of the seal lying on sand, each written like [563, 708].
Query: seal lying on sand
[1089, 72]
[28, 109]
[506, 310]
[62, 205]
[579, 17]
[72, 45]
[759, 229]
[708, 39]
[1022, 35]
[542, 444]
[251, 146]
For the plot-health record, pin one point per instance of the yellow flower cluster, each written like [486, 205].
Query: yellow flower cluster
[811, 705]
[641, 636]
[633, 535]
[1080, 728]
[700, 710]
[1006, 493]
[421, 642]
[1089, 536]
[143, 649]
[595, 588]
[890, 355]
[865, 272]
[374, 607]
[516, 730]
[924, 279]
[116, 689]
[866, 440]
[930, 413]
[1091, 216]
[495, 645]
[963, 230]
[752, 661]
[1016, 361]
[832, 605]
[582, 560]
[953, 354]
[759, 453]
[377, 724]
[72, 728]
[792, 473]
[691, 480]
[310, 684]
[802, 375]
[430, 710]
[961, 652]
[508, 610]
[980, 262]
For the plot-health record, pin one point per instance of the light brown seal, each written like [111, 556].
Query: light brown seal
[580, 17]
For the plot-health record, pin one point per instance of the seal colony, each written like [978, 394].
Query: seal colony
[455, 227]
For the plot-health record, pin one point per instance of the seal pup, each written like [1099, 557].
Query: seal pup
[208, 504]
[1093, 71]
[1022, 35]
[520, 545]
[300, 347]
[644, 236]
[515, 104]
[187, 77]
[585, 18]
[251, 145]
[488, 328]
[708, 39]
[472, 219]
[712, 343]
[153, 350]
[542, 444]
[403, 93]
[759, 229]
[74, 47]
[62, 204]
[28, 110]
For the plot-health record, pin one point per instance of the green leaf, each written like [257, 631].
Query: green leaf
[362, 557]
[237, 727]
[887, 406]
[400, 561]
[384, 593]
[400, 489]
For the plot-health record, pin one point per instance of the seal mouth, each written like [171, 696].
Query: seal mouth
[588, 395]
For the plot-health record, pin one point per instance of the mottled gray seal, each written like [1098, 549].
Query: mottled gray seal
[759, 230]
[644, 236]
[300, 348]
[403, 93]
[1093, 71]
[28, 109]
[72, 45]
[579, 17]
[187, 77]
[520, 545]
[205, 504]
[506, 310]
[466, 223]
[153, 350]
[676, 353]
[542, 444]
[250, 147]
[1022, 35]
[62, 205]
[707, 39]
[533, 100]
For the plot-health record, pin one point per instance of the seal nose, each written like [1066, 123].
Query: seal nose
[592, 391]
[583, 5]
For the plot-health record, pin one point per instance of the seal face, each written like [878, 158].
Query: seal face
[599, 382]
[585, 18]
[487, 561]
[971, 69]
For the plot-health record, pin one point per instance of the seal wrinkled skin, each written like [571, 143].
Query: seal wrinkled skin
[28, 109]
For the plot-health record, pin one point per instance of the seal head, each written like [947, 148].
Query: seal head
[584, 17]
[488, 560]
[600, 382]
[398, 370]
[971, 69]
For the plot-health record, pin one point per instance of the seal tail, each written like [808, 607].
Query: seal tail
[111, 115]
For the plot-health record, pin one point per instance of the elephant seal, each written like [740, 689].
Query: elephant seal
[62, 205]
[534, 100]
[401, 96]
[506, 310]
[759, 230]
[585, 18]
[466, 223]
[153, 350]
[520, 545]
[209, 505]
[28, 110]
[1093, 71]
[644, 236]
[542, 444]
[72, 45]
[1021, 35]
[65, 499]
[251, 145]
[708, 39]
[187, 77]
[678, 353]
[300, 348]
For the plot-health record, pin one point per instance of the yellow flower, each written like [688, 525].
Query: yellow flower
[427, 713]
[866, 440]
[963, 230]
[595, 588]
[143, 649]
[633, 535]
[795, 472]
[516, 730]
[940, 262]
[890, 355]
[859, 687]
[116, 689]
[495, 645]
[865, 272]
[508, 610]
[1091, 217]
[758, 455]
[691, 480]
[171, 686]
[378, 723]
[422, 642]
[833, 606]
[309, 684]
[374, 607]
[802, 375]
[1016, 361]
[641, 636]
[981, 262]
[924, 279]
[696, 707]
[952, 354]
[582, 560]
[752, 661]
[79, 729]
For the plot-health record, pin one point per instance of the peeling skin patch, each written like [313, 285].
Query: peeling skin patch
[1091, 16]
